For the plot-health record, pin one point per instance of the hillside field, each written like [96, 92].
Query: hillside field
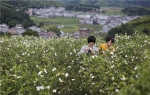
[70, 24]
[36, 66]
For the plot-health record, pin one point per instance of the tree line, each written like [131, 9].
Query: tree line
[140, 11]
[129, 28]
[81, 7]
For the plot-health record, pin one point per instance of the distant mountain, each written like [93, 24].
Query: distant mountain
[109, 3]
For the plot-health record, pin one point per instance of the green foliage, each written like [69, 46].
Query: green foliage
[31, 65]
[11, 17]
[41, 24]
[141, 85]
[1, 33]
[132, 26]
[81, 7]
[133, 11]
[25, 4]
[110, 3]
[29, 32]
[54, 29]
[146, 31]
[7, 34]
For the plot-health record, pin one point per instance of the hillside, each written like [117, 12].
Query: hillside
[109, 3]
[140, 25]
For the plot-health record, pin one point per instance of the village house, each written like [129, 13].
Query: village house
[84, 32]
[82, 21]
[47, 35]
[69, 14]
[60, 9]
[4, 28]
[89, 21]
[81, 15]
[13, 31]
[17, 30]
[37, 29]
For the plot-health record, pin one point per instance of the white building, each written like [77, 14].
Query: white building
[4, 28]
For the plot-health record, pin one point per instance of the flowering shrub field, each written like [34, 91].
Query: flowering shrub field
[35, 66]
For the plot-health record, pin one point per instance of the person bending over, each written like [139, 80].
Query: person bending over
[89, 49]
[108, 46]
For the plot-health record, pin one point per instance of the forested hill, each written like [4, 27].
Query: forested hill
[110, 3]
[140, 25]
[13, 11]
[24, 4]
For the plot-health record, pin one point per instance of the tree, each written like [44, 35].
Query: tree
[40, 24]
[29, 32]
[55, 29]
[146, 31]
[1, 33]
[12, 23]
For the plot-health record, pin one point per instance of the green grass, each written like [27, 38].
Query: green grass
[139, 28]
[70, 24]
[56, 20]
[113, 11]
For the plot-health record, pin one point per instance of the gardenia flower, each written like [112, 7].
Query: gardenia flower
[53, 69]
[38, 88]
[48, 87]
[60, 80]
[45, 70]
[66, 75]
[123, 78]
[54, 91]
[116, 90]
[135, 68]
[72, 79]
[39, 73]
[112, 78]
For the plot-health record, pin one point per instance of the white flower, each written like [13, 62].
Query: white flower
[91, 76]
[39, 73]
[136, 76]
[66, 75]
[37, 66]
[83, 68]
[72, 79]
[38, 88]
[112, 78]
[42, 87]
[112, 66]
[48, 87]
[116, 90]
[93, 83]
[18, 77]
[60, 80]
[53, 69]
[45, 70]
[123, 78]
[55, 54]
[74, 51]
[111, 53]
[69, 66]
[23, 53]
[70, 53]
[54, 91]
[135, 68]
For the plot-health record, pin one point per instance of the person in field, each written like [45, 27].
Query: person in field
[108, 46]
[89, 49]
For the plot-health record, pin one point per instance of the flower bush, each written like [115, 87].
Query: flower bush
[31, 65]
